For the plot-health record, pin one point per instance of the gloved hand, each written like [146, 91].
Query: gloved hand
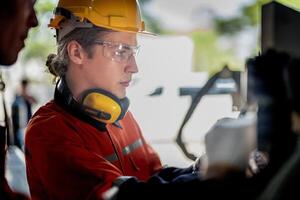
[197, 164]
[200, 165]
[230, 142]
[258, 161]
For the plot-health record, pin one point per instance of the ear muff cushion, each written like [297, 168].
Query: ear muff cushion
[103, 105]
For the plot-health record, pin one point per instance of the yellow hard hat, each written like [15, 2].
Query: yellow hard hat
[118, 15]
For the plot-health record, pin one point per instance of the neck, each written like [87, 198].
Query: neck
[76, 80]
[75, 86]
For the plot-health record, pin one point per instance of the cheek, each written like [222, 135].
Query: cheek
[108, 68]
[13, 37]
[17, 29]
[104, 73]
[22, 17]
[110, 74]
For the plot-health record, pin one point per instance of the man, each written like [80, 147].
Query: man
[85, 140]
[16, 18]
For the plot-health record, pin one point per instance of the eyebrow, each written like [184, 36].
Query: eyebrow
[124, 45]
[127, 47]
[119, 44]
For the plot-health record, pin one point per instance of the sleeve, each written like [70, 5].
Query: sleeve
[58, 161]
[157, 188]
[154, 160]
[164, 175]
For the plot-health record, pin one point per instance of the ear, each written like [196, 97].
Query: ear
[76, 52]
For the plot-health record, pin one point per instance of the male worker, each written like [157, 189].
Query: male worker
[85, 140]
[16, 18]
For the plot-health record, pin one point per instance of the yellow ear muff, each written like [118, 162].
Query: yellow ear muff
[104, 106]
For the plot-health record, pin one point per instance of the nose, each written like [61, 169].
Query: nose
[131, 66]
[32, 19]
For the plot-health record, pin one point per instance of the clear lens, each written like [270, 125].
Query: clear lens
[118, 52]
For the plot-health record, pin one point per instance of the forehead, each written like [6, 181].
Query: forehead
[121, 37]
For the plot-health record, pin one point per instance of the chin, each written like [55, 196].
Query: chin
[121, 95]
[8, 61]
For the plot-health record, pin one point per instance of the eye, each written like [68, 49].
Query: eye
[120, 52]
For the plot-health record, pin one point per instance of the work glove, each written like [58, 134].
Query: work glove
[230, 141]
[258, 161]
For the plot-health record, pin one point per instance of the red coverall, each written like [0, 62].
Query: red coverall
[69, 159]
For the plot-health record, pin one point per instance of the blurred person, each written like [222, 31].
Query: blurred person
[16, 18]
[21, 113]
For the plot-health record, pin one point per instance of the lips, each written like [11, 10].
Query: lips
[125, 83]
[24, 36]
[22, 40]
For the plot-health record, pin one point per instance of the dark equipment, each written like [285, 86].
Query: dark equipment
[280, 29]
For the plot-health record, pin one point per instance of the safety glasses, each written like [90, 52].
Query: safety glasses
[118, 52]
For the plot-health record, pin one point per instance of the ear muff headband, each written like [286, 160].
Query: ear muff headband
[104, 106]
